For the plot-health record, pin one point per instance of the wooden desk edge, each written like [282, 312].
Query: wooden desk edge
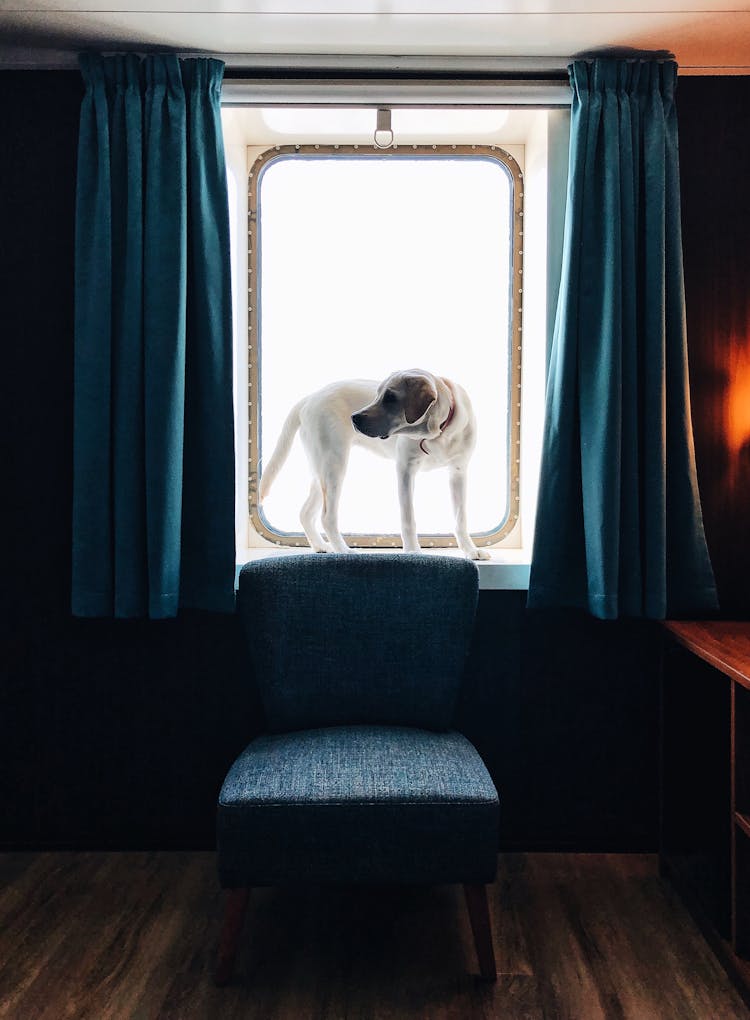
[724, 644]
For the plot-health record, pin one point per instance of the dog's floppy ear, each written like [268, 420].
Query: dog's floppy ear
[420, 396]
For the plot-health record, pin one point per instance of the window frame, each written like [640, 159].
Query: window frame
[254, 342]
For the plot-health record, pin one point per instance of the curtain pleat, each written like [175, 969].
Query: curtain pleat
[153, 387]
[127, 425]
[619, 527]
[164, 319]
[207, 529]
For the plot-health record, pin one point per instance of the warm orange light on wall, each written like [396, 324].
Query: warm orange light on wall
[738, 399]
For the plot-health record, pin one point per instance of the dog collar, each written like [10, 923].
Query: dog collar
[445, 424]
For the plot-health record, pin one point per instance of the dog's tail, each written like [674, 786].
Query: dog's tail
[281, 452]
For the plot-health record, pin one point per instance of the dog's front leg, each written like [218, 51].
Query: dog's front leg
[407, 469]
[457, 482]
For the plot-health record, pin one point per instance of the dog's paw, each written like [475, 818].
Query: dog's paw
[479, 554]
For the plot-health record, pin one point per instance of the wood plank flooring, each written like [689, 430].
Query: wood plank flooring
[99, 936]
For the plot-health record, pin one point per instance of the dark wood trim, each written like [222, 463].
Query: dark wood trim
[481, 927]
[724, 646]
[733, 808]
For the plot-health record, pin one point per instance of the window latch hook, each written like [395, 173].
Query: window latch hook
[383, 128]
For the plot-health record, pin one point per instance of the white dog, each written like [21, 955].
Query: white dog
[423, 421]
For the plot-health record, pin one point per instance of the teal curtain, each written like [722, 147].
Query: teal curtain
[153, 500]
[619, 529]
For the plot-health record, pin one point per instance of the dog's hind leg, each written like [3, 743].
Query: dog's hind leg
[331, 497]
[309, 517]
[327, 446]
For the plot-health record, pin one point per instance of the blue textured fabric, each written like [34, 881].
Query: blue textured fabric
[359, 638]
[358, 804]
[153, 500]
[619, 527]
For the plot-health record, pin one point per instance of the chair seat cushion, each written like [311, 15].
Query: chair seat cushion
[358, 804]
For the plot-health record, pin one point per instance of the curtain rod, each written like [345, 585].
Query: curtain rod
[394, 92]
[319, 79]
[391, 65]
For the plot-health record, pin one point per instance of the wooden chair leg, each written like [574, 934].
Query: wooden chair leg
[479, 915]
[234, 914]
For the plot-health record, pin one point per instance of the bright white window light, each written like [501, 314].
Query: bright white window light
[297, 121]
[370, 264]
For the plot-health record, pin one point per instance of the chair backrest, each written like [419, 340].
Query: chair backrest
[341, 639]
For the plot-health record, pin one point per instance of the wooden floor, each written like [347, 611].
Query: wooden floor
[130, 935]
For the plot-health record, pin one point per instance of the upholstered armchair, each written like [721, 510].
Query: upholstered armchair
[360, 777]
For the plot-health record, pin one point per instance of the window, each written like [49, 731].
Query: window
[256, 137]
[363, 262]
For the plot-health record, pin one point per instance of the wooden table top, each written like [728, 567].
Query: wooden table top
[724, 644]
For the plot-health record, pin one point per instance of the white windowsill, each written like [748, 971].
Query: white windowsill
[507, 570]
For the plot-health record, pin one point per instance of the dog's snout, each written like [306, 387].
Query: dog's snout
[368, 425]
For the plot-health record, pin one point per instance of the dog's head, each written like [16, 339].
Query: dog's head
[402, 405]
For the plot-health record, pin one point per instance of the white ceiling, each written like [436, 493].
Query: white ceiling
[706, 36]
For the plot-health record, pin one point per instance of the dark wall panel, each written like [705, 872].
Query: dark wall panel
[38, 128]
[715, 168]
[39, 131]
